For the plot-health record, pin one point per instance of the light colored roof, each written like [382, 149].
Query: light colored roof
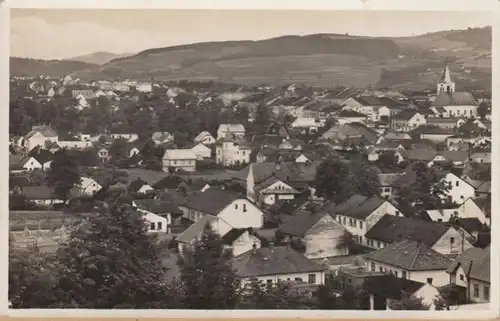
[44, 130]
[179, 154]
[202, 135]
[231, 128]
[195, 230]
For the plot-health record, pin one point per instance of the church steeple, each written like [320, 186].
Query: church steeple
[445, 85]
[250, 183]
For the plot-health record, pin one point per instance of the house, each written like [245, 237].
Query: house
[18, 163]
[384, 289]
[307, 124]
[386, 181]
[471, 269]
[103, 154]
[200, 150]
[271, 190]
[240, 240]
[205, 138]
[435, 134]
[411, 260]
[232, 151]
[407, 120]
[231, 131]
[275, 264]
[160, 138]
[38, 136]
[318, 232]
[352, 130]
[460, 190]
[447, 123]
[233, 209]
[88, 186]
[440, 237]
[74, 144]
[452, 103]
[468, 209]
[179, 159]
[359, 214]
[481, 158]
[127, 136]
[83, 92]
[369, 106]
[139, 186]
[158, 214]
[350, 116]
[40, 195]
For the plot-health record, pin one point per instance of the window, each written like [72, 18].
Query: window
[235, 206]
[452, 240]
[354, 223]
[378, 243]
[269, 281]
[486, 292]
[456, 183]
[372, 266]
[152, 226]
[476, 290]
[380, 269]
[159, 226]
[244, 207]
[312, 278]
[396, 273]
[440, 220]
[429, 280]
[344, 220]
[403, 274]
[387, 189]
[397, 213]
[298, 279]
[461, 277]
[360, 224]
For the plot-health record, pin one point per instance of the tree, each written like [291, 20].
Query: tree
[338, 180]
[118, 149]
[482, 110]
[207, 277]
[408, 302]
[280, 296]
[31, 278]
[63, 174]
[110, 262]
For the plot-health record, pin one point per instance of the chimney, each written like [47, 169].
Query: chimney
[271, 246]
[254, 248]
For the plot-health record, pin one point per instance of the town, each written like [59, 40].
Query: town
[265, 197]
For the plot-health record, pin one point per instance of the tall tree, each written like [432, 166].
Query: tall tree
[208, 279]
[63, 174]
[118, 149]
[482, 110]
[408, 302]
[110, 261]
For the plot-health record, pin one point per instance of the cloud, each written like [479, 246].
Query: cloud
[35, 38]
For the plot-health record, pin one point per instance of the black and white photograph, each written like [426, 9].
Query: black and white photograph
[175, 159]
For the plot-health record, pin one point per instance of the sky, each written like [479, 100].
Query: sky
[67, 33]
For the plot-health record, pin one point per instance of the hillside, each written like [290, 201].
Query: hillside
[99, 58]
[320, 59]
[53, 68]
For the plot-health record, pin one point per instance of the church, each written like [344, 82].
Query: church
[450, 103]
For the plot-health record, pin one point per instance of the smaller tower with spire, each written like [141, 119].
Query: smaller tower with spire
[250, 183]
[446, 85]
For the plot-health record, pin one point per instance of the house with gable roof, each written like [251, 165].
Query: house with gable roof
[231, 131]
[359, 214]
[316, 230]
[275, 264]
[272, 190]
[232, 151]
[183, 159]
[241, 240]
[38, 136]
[407, 120]
[19, 163]
[441, 237]
[412, 260]
[471, 269]
[205, 138]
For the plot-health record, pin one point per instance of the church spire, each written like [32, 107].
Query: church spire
[446, 75]
[446, 85]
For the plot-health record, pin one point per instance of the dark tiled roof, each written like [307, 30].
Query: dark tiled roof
[369, 101]
[289, 171]
[470, 224]
[475, 262]
[170, 182]
[386, 179]
[390, 286]
[195, 230]
[454, 99]
[405, 115]
[212, 201]
[38, 192]
[136, 185]
[301, 222]
[359, 206]
[410, 255]
[350, 113]
[158, 206]
[273, 261]
[392, 228]
[234, 234]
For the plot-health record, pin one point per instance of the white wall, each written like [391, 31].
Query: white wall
[242, 214]
[39, 140]
[32, 164]
[157, 220]
[320, 278]
[444, 245]
[321, 240]
[245, 243]
[460, 190]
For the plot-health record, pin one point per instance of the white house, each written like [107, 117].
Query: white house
[231, 131]
[38, 136]
[460, 190]
[407, 120]
[144, 87]
[129, 137]
[201, 151]
[179, 159]
[157, 213]
[359, 214]
[468, 209]
[240, 240]
[88, 186]
[19, 163]
[272, 190]
[162, 138]
[230, 152]
[205, 138]
[410, 260]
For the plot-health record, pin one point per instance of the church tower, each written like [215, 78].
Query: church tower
[446, 85]
[250, 183]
